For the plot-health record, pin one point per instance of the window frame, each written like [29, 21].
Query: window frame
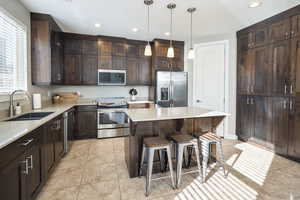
[4, 96]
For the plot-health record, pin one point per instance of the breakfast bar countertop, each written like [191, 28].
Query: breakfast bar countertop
[156, 114]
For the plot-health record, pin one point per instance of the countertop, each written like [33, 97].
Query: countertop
[155, 114]
[10, 131]
[140, 102]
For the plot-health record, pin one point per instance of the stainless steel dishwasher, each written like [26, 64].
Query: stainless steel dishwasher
[69, 122]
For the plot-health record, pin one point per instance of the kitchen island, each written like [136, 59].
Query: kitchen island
[164, 122]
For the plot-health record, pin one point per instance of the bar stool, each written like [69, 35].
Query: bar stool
[206, 140]
[183, 141]
[150, 145]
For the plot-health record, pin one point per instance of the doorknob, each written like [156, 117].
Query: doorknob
[198, 101]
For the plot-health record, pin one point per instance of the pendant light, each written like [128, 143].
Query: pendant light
[148, 51]
[191, 54]
[170, 53]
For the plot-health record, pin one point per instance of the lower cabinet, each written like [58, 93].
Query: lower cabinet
[21, 172]
[86, 122]
[273, 122]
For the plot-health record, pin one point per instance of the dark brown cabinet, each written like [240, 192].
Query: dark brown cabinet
[246, 72]
[295, 30]
[89, 70]
[280, 30]
[294, 127]
[72, 69]
[281, 115]
[86, 122]
[46, 50]
[81, 60]
[245, 112]
[280, 58]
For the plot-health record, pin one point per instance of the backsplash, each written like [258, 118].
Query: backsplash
[92, 92]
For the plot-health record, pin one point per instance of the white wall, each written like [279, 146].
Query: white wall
[103, 91]
[17, 10]
[231, 90]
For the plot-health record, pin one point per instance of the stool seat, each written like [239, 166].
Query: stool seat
[183, 138]
[155, 142]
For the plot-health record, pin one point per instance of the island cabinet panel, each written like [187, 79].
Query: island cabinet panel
[46, 50]
[86, 122]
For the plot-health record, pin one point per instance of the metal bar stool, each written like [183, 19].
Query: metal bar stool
[206, 140]
[182, 142]
[150, 145]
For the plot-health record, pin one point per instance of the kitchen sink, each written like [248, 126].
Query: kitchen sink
[31, 116]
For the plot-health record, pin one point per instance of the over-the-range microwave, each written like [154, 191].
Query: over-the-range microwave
[111, 77]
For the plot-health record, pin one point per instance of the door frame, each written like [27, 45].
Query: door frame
[226, 78]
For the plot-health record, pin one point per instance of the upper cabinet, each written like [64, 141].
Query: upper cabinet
[280, 30]
[46, 50]
[80, 59]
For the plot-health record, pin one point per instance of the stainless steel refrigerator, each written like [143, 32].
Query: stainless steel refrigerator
[171, 89]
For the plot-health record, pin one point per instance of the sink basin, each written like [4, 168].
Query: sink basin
[31, 116]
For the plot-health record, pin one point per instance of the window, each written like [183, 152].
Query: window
[13, 54]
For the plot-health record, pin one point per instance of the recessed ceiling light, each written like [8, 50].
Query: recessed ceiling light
[97, 25]
[135, 29]
[255, 4]
[167, 33]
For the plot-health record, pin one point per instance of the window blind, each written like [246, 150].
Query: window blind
[13, 54]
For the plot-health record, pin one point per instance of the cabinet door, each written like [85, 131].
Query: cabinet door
[57, 58]
[263, 121]
[245, 117]
[90, 47]
[294, 139]
[72, 67]
[280, 59]
[72, 46]
[280, 124]
[105, 62]
[13, 179]
[295, 66]
[34, 178]
[119, 63]
[118, 49]
[59, 139]
[86, 124]
[48, 148]
[295, 30]
[145, 71]
[162, 63]
[89, 70]
[132, 71]
[104, 48]
[133, 50]
[280, 30]
[245, 72]
[262, 71]
[259, 37]
[245, 42]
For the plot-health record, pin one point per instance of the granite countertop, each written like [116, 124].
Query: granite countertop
[156, 114]
[10, 131]
[140, 102]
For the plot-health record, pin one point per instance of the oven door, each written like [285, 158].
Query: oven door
[112, 119]
[111, 77]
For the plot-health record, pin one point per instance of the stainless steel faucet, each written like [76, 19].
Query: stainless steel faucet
[11, 100]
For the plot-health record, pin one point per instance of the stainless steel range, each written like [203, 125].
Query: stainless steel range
[112, 120]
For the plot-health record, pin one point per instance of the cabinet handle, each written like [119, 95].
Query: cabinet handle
[26, 143]
[248, 101]
[291, 89]
[252, 101]
[285, 89]
[58, 77]
[284, 104]
[31, 162]
[26, 171]
[252, 88]
[291, 104]
[292, 33]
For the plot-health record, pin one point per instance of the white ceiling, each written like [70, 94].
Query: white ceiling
[118, 17]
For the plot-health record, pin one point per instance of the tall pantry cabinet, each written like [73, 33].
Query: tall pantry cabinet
[268, 83]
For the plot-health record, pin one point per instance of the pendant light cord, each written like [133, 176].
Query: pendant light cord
[148, 23]
[171, 28]
[191, 30]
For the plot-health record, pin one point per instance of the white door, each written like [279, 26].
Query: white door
[209, 78]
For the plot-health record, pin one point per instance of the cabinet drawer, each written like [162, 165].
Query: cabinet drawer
[86, 108]
[16, 148]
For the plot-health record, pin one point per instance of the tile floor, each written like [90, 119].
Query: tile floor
[96, 170]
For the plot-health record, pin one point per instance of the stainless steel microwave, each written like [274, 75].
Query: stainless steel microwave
[111, 77]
